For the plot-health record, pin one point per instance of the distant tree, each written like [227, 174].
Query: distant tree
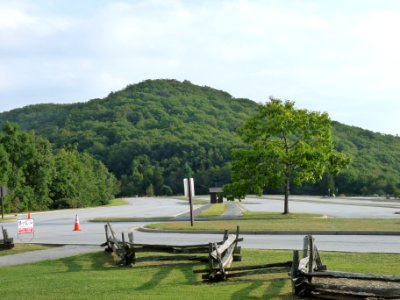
[30, 169]
[286, 146]
[4, 166]
[150, 190]
[187, 170]
[39, 179]
[81, 181]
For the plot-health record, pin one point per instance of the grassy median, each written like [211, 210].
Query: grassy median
[214, 210]
[291, 222]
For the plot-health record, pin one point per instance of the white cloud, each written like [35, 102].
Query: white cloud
[325, 55]
[13, 19]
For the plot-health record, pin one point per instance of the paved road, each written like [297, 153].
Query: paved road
[335, 207]
[57, 227]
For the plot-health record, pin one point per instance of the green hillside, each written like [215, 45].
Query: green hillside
[375, 167]
[153, 134]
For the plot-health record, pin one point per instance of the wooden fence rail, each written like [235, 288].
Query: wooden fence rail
[6, 242]
[126, 250]
[309, 277]
[221, 256]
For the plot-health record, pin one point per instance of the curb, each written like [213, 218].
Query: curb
[276, 232]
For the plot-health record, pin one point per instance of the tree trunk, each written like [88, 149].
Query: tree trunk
[286, 201]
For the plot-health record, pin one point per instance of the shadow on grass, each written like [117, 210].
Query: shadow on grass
[72, 264]
[99, 261]
[164, 270]
[273, 289]
[244, 293]
[155, 279]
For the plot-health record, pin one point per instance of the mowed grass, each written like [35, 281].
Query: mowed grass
[214, 210]
[19, 248]
[94, 276]
[291, 222]
[275, 215]
[129, 219]
[117, 202]
[7, 219]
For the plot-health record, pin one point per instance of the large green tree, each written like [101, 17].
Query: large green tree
[30, 169]
[285, 146]
[38, 178]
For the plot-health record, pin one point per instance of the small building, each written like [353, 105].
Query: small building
[216, 195]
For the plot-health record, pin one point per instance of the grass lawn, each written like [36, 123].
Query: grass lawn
[117, 202]
[277, 221]
[7, 219]
[128, 219]
[195, 201]
[214, 210]
[94, 276]
[19, 248]
[275, 215]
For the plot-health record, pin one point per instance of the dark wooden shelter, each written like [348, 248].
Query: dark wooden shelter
[216, 195]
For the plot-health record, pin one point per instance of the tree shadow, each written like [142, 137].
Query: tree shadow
[155, 279]
[273, 290]
[98, 261]
[72, 264]
[185, 268]
[275, 287]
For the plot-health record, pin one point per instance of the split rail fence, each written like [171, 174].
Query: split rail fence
[126, 251]
[219, 256]
[6, 242]
[310, 278]
[220, 259]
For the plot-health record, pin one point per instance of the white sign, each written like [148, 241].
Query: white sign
[25, 226]
[185, 187]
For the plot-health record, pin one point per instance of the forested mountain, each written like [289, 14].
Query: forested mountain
[154, 133]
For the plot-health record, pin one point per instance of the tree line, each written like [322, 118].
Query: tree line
[40, 178]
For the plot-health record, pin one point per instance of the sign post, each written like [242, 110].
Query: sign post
[25, 226]
[188, 185]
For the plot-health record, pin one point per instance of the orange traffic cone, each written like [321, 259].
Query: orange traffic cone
[77, 226]
[29, 215]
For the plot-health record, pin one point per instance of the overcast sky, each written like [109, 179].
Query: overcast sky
[340, 57]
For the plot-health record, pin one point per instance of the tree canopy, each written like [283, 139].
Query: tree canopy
[286, 146]
[39, 178]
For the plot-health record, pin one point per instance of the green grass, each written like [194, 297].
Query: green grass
[287, 223]
[128, 219]
[19, 248]
[94, 276]
[117, 202]
[195, 201]
[214, 210]
[7, 219]
[274, 215]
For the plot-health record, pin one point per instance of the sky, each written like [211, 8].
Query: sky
[339, 57]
